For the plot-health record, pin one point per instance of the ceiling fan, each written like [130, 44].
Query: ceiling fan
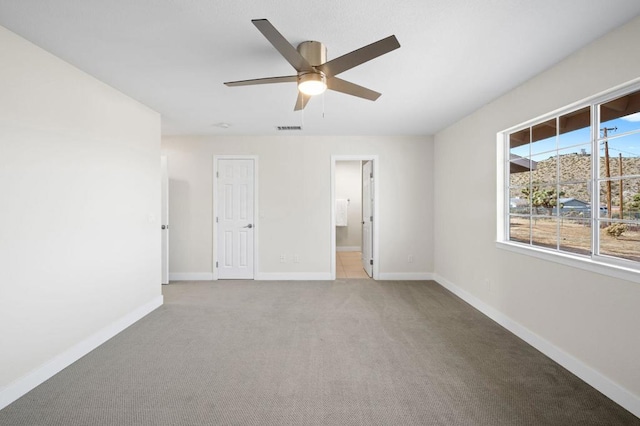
[314, 73]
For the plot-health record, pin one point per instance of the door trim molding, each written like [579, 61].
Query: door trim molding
[376, 209]
[164, 219]
[255, 211]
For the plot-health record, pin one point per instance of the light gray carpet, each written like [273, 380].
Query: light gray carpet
[349, 352]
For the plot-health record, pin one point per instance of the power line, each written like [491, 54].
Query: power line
[635, 154]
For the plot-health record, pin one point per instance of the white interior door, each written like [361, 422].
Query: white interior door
[367, 217]
[164, 218]
[235, 218]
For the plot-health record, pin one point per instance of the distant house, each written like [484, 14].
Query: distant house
[568, 207]
[573, 207]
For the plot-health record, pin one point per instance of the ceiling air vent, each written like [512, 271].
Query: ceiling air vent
[280, 128]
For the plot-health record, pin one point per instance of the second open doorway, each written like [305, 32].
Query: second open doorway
[354, 217]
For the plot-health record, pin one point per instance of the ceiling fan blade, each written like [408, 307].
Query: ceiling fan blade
[268, 80]
[343, 86]
[359, 56]
[301, 102]
[282, 45]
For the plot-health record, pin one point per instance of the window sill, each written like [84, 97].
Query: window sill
[587, 264]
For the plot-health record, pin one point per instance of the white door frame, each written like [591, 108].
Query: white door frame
[376, 210]
[255, 209]
[164, 219]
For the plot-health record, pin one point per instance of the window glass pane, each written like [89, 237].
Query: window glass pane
[575, 128]
[519, 152]
[543, 198]
[631, 192]
[623, 151]
[518, 202]
[620, 240]
[544, 232]
[519, 143]
[574, 201]
[575, 164]
[575, 235]
[629, 199]
[543, 137]
[519, 168]
[622, 113]
[608, 198]
[519, 228]
[545, 168]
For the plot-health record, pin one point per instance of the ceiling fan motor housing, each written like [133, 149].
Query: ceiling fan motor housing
[312, 82]
[314, 52]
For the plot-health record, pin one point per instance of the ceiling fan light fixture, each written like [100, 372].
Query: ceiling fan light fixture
[314, 74]
[312, 83]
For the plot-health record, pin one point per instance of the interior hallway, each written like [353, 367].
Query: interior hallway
[349, 265]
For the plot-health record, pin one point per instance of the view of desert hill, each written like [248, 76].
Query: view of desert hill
[575, 168]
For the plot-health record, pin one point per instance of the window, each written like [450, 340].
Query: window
[573, 181]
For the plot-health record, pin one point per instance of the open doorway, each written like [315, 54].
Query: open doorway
[353, 220]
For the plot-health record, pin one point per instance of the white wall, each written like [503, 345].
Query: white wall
[295, 200]
[593, 319]
[80, 197]
[349, 187]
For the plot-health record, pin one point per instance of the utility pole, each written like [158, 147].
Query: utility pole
[621, 188]
[606, 167]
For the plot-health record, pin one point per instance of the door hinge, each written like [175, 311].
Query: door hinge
[216, 264]
[370, 261]
[371, 175]
[216, 219]
[371, 218]
[217, 174]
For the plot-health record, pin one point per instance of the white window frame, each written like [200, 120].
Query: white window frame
[605, 265]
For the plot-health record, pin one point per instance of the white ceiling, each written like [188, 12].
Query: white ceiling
[174, 55]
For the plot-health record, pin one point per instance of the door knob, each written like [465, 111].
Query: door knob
[164, 226]
[248, 226]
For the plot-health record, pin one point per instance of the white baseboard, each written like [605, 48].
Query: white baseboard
[190, 276]
[294, 276]
[264, 276]
[608, 387]
[300, 276]
[29, 381]
[349, 248]
[405, 276]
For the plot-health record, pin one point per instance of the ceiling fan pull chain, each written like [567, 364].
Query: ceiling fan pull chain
[323, 105]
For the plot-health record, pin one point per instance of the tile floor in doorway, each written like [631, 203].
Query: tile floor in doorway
[349, 265]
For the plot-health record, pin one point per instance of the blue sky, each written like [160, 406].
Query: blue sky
[628, 146]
